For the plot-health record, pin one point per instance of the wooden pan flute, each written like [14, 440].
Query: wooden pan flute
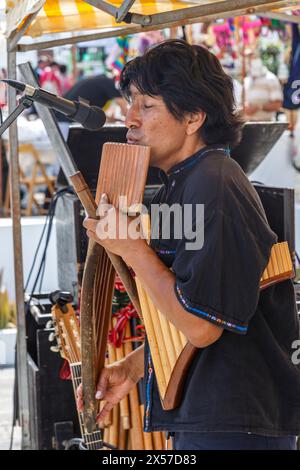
[280, 266]
[171, 353]
[123, 172]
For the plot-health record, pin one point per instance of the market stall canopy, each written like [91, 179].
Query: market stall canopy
[40, 17]
[55, 16]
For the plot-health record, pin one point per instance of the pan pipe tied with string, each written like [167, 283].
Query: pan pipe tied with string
[123, 426]
[171, 352]
[123, 172]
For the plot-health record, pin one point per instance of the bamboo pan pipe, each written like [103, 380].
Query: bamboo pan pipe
[136, 421]
[122, 439]
[177, 340]
[171, 352]
[114, 428]
[157, 440]
[124, 404]
[147, 436]
[167, 336]
[159, 371]
[123, 172]
[280, 266]
[163, 352]
[134, 438]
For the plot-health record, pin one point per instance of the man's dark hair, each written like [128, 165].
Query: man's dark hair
[189, 78]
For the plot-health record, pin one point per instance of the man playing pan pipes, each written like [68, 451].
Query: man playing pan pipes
[242, 390]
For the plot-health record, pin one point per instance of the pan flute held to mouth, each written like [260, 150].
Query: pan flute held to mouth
[123, 172]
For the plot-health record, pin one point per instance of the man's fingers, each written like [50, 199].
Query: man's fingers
[79, 400]
[102, 385]
[90, 224]
[92, 235]
[79, 403]
[104, 412]
[103, 206]
[79, 391]
[104, 199]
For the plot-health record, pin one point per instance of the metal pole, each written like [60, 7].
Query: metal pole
[235, 7]
[281, 16]
[22, 372]
[17, 35]
[104, 6]
[203, 9]
[118, 13]
[124, 9]
[81, 38]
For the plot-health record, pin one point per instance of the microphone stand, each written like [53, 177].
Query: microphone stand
[24, 103]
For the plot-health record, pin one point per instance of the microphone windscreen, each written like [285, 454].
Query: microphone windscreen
[95, 119]
[20, 86]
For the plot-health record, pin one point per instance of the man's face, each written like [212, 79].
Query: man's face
[150, 123]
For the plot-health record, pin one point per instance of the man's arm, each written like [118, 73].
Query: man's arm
[159, 282]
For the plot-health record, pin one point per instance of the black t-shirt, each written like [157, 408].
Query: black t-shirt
[97, 90]
[246, 381]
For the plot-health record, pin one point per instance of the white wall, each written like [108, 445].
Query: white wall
[31, 230]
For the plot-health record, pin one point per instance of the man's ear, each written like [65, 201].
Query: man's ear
[194, 122]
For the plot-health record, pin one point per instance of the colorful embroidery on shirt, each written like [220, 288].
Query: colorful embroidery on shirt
[148, 392]
[208, 315]
[191, 163]
[165, 252]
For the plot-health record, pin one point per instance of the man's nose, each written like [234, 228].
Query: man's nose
[132, 117]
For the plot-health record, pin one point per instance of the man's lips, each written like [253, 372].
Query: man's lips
[131, 139]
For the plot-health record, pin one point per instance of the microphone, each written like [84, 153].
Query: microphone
[90, 117]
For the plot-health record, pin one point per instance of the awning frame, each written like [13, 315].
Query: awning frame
[143, 23]
[123, 12]
[208, 11]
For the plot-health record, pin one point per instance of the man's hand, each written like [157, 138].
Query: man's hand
[116, 381]
[115, 231]
[114, 384]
